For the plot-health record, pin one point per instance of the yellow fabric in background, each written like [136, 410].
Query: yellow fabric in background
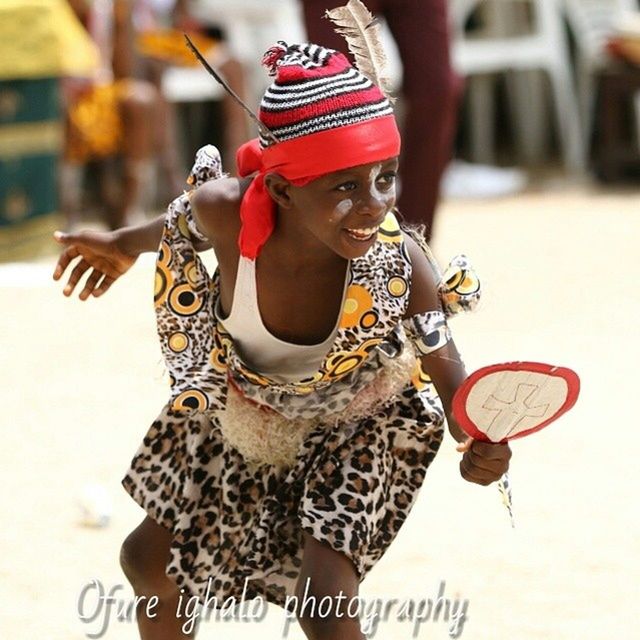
[95, 123]
[169, 45]
[43, 38]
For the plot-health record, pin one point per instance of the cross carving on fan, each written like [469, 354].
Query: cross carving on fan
[515, 410]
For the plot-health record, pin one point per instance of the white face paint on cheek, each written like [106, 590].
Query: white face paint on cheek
[373, 178]
[344, 207]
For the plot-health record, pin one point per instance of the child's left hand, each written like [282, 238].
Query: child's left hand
[483, 462]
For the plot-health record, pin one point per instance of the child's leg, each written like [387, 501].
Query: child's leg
[326, 572]
[143, 557]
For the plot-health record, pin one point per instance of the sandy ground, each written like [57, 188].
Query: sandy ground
[82, 381]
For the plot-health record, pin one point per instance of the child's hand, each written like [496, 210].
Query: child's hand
[483, 462]
[99, 250]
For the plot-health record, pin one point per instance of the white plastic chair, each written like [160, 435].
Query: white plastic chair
[543, 48]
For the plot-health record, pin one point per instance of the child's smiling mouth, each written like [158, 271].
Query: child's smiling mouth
[363, 234]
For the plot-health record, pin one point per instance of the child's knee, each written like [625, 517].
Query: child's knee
[134, 561]
[143, 558]
[324, 614]
[325, 590]
[330, 629]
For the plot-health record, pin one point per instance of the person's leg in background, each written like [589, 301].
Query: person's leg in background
[172, 175]
[430, 88]
[319, 29]
[137, 106]
[235, 126]
[236, 130]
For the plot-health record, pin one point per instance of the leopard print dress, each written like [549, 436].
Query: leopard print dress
[238, 466]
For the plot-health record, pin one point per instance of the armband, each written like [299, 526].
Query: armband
[428, 331]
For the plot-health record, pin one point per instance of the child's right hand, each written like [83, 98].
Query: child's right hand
[98, 250]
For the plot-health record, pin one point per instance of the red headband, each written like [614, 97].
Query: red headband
[302, 160]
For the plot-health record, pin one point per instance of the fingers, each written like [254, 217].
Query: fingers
[75, 250]
[77, 273]
[491, 450]
[104, 286]
[485, 462]
[464, 446]
[63, 261]
[90, 284]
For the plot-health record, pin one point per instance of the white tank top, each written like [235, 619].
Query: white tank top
[263, 352]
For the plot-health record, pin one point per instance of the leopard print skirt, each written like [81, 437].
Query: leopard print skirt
[235, 525]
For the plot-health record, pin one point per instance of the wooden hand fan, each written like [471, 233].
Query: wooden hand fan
[502, 402]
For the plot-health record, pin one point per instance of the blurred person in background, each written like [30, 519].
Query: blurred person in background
[160, 25]
[110, 116]
[153, 18]
[430, 89]
[224, 124]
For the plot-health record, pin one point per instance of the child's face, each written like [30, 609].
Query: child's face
[344, 209]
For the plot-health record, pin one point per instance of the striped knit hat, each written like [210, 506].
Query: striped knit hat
[325, 116]
[316, 89]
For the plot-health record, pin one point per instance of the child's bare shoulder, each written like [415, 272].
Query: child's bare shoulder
[216, 205]
[424, 281]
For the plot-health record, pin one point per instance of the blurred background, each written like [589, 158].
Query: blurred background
[521, 142]
[103, 107]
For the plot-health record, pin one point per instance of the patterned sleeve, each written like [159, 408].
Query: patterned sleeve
[207, 166]
[184, 300]
[459, 287]
[427, 331]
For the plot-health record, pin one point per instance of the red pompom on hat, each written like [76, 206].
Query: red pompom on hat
[325, 115]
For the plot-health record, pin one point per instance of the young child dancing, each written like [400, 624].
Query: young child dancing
[303, 413]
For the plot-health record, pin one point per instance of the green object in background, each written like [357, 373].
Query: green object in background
[31, 140]
[27, 188]
[28, 101]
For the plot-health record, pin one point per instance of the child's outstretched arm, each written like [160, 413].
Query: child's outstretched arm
[482, 463]
[108, 254]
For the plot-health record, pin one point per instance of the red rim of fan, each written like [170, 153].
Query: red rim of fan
[459, 403]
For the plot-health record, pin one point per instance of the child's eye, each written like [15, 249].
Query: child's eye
[388, 179]
[347, 186]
